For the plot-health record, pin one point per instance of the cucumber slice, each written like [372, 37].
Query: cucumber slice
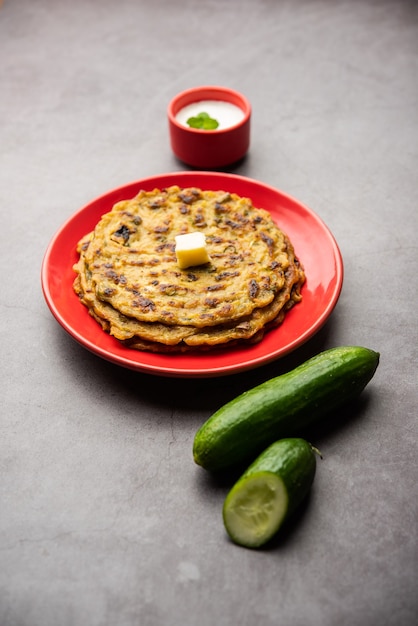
[269, 491]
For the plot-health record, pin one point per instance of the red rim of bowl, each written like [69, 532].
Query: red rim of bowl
[208, 92]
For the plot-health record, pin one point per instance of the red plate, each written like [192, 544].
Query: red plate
[313, 242]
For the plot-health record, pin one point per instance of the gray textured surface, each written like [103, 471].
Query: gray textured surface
[104, 518]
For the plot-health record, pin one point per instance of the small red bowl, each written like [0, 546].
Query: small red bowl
[209, 148]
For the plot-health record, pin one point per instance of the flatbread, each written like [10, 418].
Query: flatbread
[128, 276]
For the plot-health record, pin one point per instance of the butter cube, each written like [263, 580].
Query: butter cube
[191, 250]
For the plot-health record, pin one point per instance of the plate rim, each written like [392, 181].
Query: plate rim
[205, 371]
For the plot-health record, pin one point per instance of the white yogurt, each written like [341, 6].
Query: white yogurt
[225, 113]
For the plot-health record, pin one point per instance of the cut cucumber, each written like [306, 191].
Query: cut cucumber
[255, 508]
[269, 491]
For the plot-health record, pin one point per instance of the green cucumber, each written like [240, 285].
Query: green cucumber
[283, 406]
[269, 491]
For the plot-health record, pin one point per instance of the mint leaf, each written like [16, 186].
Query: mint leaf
[195, 122]
[210, 124]
[203, 121]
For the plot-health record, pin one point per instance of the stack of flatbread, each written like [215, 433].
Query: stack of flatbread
[128, 276]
